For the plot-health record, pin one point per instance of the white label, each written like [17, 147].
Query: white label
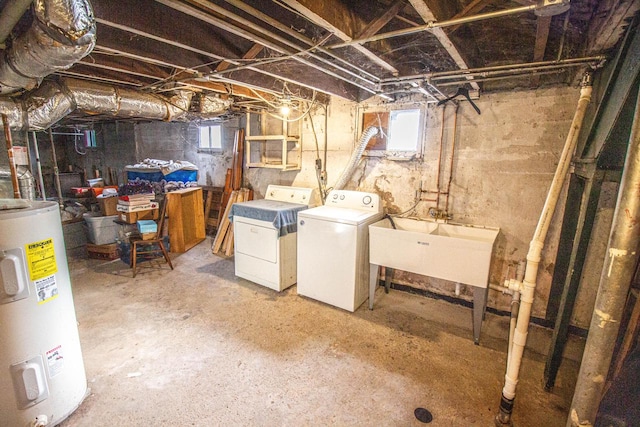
[55, 361]
[46, 289]
[20, 155]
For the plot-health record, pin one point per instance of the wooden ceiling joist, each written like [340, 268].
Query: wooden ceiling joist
[251, 53]
[310, 9]
[476, 6]
[377, 24]
[427, 16]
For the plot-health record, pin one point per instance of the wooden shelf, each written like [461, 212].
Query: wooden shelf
[186, 218]
[282, 151]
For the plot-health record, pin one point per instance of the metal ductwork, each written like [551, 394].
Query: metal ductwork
[368, 133]
[54, 100]
[62, 33]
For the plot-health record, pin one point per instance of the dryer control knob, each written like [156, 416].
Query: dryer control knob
[342, 197]
[366, 200]
[302, 222]
[335, 197]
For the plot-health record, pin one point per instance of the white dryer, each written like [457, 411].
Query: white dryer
[264, 233]
[333, 248]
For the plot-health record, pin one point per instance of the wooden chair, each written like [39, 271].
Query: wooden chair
[148, 249]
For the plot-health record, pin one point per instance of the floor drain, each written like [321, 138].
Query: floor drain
[423, 415]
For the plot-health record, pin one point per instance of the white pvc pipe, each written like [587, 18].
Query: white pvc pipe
[534, 256]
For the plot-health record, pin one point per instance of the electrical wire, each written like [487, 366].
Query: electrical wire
[75, 144]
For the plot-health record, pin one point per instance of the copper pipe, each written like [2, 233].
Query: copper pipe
[12, 163]
[440, 158]
[453, 147]
[56, 171]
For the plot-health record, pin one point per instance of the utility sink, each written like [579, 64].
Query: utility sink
[459, 253]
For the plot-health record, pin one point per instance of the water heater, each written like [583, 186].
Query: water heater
[42, 376]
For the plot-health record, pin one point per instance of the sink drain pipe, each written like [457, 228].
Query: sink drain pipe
[533, 259]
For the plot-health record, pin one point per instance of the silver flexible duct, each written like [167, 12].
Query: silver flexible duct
[368, 133]
[53, 100]
[26, 181]
[62, 33]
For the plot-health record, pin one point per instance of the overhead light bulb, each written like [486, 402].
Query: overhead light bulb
[285, 110]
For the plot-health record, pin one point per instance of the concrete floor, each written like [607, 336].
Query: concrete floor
[198, 346]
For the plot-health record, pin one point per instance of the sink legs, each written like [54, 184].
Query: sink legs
[479, 306]
[479, 298]
[373, 282]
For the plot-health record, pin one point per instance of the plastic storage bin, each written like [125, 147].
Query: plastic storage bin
[101, 230]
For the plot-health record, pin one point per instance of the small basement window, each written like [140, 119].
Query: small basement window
[210, 138]
[401, 134]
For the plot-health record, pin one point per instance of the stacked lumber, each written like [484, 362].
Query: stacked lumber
[223, 241]
[233, 178]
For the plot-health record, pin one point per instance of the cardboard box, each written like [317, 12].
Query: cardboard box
[136, 208]
[148, 236]
[147, 226]
[108, 205]
[133, 217]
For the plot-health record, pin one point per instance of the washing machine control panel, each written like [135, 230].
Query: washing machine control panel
[354, 200]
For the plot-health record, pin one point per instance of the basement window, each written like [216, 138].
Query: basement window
[90, 138]
[401, 133]
[210, 138]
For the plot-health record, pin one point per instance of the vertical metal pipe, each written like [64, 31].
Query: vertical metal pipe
[453, 148]
[444, 109]
[39, 165]
[56, 172]
[615, 280]
[12, 163]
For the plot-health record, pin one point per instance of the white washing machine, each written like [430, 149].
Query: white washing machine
[264, 233]
[333, 248]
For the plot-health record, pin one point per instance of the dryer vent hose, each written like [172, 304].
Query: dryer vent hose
[368, 133]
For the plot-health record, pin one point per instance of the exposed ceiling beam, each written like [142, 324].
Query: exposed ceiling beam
[205, 53]
[542, 36]
[248, 35]
[85, 76]
[315, 17]
[298, 36]
[228, 87]
[123, 70]
[472, 8]
[100, 49]
[251, 53]
[609, 24]
[377, 24]
[427, 16]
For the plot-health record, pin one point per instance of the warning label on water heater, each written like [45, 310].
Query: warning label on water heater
[55, 361]
[46, 289]
[41, 257]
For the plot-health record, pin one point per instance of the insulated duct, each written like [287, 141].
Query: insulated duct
[53, 100]
[62, 33]
[26, 182]
[368, 133]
